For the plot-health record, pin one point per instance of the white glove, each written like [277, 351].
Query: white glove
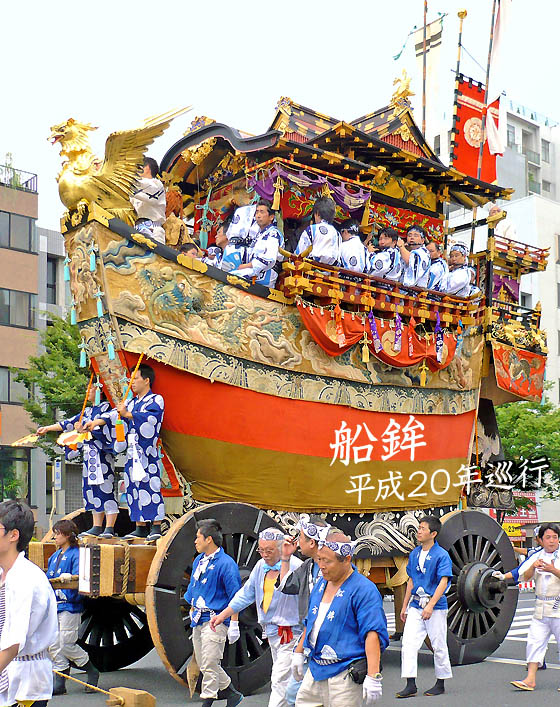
[372, 690]
[498, 575]
[65, 577]
[298, 660]
[233, 632]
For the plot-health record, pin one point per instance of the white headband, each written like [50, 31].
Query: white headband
[346, 549]
[271, 534]
[312, 531]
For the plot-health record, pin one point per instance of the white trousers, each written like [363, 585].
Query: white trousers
[415, 631]
[540, 631]
[208, 648]
[281, 670]
[66, 647]
[339, 691]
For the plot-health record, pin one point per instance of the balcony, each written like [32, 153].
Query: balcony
[534, 187]
[531, 155]
[18, 179]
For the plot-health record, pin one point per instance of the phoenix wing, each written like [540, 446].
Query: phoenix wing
[124, 154]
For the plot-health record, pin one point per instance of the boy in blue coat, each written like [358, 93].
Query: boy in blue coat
[214, 581]
[64, 564]
[424, 610]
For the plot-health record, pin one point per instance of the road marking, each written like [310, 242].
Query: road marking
[516, 661]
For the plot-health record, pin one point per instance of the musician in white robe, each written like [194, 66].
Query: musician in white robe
[149, 202]
[353, 255]
[459, 278]
[504, 228]
[322, 236]
[544, 567]
[264, 253]
[387, 263]
[416, 258]
[439, 270]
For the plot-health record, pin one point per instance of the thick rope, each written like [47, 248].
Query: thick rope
[92, 687]
[86, 398]
[125, 569]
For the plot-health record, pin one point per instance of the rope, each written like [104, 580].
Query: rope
[86, 398]
[131, 379]
[125, 569]
[92, 687]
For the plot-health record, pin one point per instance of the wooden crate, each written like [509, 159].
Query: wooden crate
[39, 553]
[103, 565]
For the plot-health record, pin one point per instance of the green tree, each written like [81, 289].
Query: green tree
[530, 429]
[55, 382]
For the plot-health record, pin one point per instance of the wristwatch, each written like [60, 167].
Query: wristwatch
[377, 676]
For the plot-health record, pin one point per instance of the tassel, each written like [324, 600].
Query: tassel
[439, 339]
[278, 189]
[92, 263]
[98, 295]
[459, 346]
[398, 333]
[365, 348]
[339, 328]
[111, 351]
[97, 391]
[73, 318]
[377, 345]
[365, 216]
[66, 269]
[423, 372]
[119, 430]
[82, 348]
[411, 325]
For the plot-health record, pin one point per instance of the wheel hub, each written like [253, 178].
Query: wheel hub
[477, 590]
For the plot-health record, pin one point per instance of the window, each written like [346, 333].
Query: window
[51, 280]
[510, 136]
[525, 300]
[15, 473]
[437, 145]
[17, 308]
[11, 391]
[546, 186]
[545, 151]
[17, 232]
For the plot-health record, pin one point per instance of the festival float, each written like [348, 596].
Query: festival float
[352, 397]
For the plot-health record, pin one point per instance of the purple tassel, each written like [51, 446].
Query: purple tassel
[439, 339]
[459, 346]
[398, 333]
[377, 345]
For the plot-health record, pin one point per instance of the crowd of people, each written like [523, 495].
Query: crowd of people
[248, 244]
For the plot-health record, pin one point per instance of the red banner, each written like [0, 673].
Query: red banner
[519, 372]
[324, 326]
[381, 215]
[467, 130]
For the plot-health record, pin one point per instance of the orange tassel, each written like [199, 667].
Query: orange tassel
[119, 431]
[339, 328]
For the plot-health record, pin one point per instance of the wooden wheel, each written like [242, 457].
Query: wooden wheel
[113, 633]
[84, 521]
[248, 661]
[481, 607]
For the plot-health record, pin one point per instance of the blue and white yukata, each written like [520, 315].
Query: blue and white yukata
[142, 474]
[325, 241]
[387, 264]
[336, 636]
[283, 611]
[353, 255]
[98, 468]
[214, 581]
[262, 256]
[416, 272]
[459, 281]
[69, 606]
[437, 275]
[426, 570]
[233, 256]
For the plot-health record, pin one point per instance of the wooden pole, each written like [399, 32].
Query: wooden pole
[424, 69]
[484, 111]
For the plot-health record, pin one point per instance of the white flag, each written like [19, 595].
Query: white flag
[497, 134]
[434, 32]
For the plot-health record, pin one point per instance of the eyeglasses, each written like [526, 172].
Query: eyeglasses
[264, 552]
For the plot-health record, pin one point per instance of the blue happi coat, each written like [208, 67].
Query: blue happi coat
[437, 275]
[67, 562]
[436, 566]
[416, 272]
[262, 257]
[356, 609]
[213, 585]
[98, 456]
[387, 264]
[143, 492]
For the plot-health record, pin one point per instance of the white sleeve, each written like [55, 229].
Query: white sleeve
[380, 264]
[304, 242]
[18, 615]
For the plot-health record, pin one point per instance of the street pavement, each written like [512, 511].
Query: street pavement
[485, 683]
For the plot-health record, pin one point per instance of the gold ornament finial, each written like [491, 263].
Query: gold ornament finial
[462, 14]
[400, 98]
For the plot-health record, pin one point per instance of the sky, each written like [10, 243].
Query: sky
[113, 64]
